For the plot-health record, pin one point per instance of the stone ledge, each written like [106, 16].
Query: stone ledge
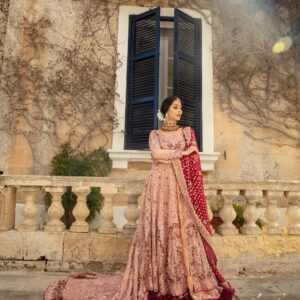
[31, 245]
[122, 158]
[67, 251]
[259, 246]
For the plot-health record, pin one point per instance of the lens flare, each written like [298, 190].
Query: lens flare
[282, 44]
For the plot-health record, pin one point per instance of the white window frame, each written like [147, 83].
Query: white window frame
[121, 156]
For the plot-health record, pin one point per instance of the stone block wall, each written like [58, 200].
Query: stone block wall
[67, 251]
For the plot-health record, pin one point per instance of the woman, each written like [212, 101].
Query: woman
[171, 255]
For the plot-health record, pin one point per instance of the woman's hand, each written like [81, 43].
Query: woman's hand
[189, 150]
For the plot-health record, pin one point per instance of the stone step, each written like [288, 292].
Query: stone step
[26, 285]
[30, 285]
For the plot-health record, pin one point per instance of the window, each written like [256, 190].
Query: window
[119, 152]
[164, 55]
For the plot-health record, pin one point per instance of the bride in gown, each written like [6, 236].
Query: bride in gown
[171, 255]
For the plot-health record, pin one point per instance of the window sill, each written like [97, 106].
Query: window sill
[121, 158]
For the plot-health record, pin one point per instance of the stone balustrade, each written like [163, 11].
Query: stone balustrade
[31, 239]
[270, 195]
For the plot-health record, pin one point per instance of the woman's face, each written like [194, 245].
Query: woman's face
[175, 110]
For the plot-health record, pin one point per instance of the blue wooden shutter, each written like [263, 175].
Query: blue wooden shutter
[187, 67]
[142, 79]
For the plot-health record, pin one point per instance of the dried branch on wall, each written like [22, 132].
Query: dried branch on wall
[58, 82]
[255, 86]
[76, 88]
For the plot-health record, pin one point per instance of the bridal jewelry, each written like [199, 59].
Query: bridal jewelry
[160, 115]
[169, 125]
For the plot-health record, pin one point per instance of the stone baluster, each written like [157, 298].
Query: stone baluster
[29, 210]
[7, 208]
[106, 222]
[210, 194]
[227, 213]
[292, 214]
[56, 210]
[81, 210]
[272, 213]
[251, 213]
[131, 213]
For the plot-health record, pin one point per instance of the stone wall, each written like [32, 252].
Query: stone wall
[242, 157]
[66, 251]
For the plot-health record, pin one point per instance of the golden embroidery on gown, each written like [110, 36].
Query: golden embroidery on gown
[171, 255]
[167, 253]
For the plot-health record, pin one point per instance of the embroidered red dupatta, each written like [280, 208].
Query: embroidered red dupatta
[191, 167]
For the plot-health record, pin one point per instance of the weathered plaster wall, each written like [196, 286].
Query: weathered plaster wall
[5, 138]
[245, 158]
[32, 153]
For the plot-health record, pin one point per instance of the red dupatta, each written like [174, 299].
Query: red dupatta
[191, 166]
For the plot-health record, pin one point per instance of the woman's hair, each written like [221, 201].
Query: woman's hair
[167, 102]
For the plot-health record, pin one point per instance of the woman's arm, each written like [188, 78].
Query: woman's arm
[161, 154]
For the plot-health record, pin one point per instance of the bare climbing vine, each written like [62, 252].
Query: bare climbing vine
[256, 87]
[76, 89]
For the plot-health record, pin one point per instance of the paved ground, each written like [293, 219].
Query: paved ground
[29, 285]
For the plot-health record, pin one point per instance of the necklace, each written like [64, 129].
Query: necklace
[166, 127]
